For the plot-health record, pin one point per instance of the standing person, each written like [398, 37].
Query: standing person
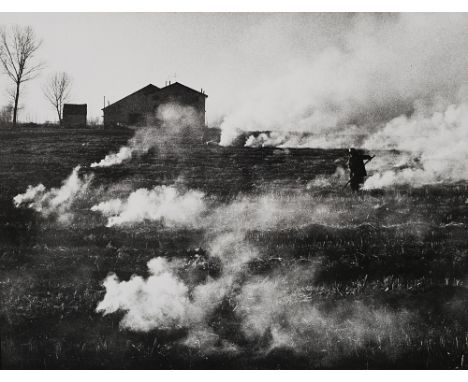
[357, 168]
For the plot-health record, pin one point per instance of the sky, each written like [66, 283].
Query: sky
[277, 71]
[115, 54]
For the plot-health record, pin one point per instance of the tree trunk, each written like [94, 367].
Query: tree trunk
[15, 109]
[59, 117]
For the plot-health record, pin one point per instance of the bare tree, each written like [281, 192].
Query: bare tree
[17, 49]
[57, 91]
[11, 94]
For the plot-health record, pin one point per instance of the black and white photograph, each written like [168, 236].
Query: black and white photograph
[233, 190]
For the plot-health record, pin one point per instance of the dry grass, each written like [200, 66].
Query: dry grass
[402, 249]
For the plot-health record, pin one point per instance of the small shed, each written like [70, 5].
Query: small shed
[74, 115]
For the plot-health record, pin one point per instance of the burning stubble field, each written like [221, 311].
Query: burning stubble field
[222, 257]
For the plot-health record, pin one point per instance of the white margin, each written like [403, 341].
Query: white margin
[234, 6]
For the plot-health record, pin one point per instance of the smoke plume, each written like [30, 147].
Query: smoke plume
[382, 82]
[274, 311]
[124, 154]
[164, 300]
[176, 206]
[436, 140]
[162, 203]
[160, 301]
[171, 125]
[57, 201]
[369, 73]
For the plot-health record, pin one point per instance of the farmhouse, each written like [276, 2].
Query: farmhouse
[140, 108]
[74, 115]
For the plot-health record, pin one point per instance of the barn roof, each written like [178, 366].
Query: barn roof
[178, 84]
[147, 90]
[73, 108]
[151, 89]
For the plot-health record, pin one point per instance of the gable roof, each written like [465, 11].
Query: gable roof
[146, 90]
[151, 89]
[178, 84]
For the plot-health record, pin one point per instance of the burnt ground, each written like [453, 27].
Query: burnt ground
[398, 250]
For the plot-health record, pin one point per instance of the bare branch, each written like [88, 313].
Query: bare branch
[32, 72]
[6, 57]
[17, 51]
[57, 91]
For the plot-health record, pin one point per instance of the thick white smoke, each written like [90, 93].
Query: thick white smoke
[437, 139]
[175, 206]
[370, 72]
[124, 154]
[147, 302]
[275, 306]
[32, 193]
[384, 81]
[275, 309]
[163, 300]
[162, 203]
[56, 200]
[171, 124]
[159, 301]
[351, 137]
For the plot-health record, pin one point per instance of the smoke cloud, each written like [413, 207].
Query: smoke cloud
[436, 140]
[162, 203]
[160, 301]
[57, 201]
[384, 82]
[176, 206]
[164, 300]
[274, 311]
[124, 154]
[372, 71]
[355, 91]
[171, 124]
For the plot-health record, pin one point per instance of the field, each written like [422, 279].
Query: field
[333, 279]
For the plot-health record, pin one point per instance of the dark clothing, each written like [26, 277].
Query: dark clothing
[357, 170]
[356, 183]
